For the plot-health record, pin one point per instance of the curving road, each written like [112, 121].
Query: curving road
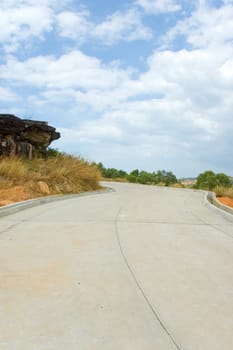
[139, 268]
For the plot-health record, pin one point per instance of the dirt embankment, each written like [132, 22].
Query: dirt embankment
[226, 201]
[22, 179]
[14, 194]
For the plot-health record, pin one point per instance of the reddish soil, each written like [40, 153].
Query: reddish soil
[14, 194]
[226, 201]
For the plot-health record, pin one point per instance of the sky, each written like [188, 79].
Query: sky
[134, 84]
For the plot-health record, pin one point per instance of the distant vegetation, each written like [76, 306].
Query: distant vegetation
[161, 177]
[209, 180]
[220, 183]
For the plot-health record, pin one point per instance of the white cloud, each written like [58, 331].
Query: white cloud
[72, 70]
[206, 27]
[119, 26]
[193, 111]
[6, 95]
[181, 92]
[74, 25]
[159, 6]
[192, 77]
[21, 22]
[6, 4]
[227, 71]
[122, 26]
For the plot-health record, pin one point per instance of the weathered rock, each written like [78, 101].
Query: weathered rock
[43, 187]
[24, 137]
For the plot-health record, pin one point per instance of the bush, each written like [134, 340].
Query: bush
[52, 152]
[209, 180]
[136, 176]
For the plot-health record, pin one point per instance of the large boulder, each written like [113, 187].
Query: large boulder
[24, 137]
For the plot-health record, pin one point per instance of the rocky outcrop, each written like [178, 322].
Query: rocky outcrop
[24, 137]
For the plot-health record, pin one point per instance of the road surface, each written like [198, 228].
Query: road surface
[139, 268]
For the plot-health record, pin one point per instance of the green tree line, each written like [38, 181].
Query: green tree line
[166, 178]
[209, 180]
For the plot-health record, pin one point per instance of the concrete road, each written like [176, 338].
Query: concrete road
[140, 268]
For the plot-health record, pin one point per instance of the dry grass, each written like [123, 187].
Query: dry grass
[63, 174]
[117, 179]
[177, 185]
[224, 191]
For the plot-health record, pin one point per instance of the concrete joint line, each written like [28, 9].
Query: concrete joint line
[139, 286]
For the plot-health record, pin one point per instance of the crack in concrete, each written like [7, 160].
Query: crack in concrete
[154, 312]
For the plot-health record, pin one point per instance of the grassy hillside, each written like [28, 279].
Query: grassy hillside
[22, 179]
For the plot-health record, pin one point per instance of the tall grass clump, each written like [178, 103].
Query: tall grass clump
[62, 174]
[222, 191]
[69, 174]
[13, 171]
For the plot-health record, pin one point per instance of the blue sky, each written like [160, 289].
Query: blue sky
[142, 84]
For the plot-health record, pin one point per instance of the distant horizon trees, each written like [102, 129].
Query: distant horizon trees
[208, 180]
[166, 178]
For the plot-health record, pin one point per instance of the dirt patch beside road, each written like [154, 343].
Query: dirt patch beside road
[13, 195]
[226, 201]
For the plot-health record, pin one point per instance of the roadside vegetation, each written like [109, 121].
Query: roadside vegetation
[54, 173]
[220, 183]
[59, 173]
[161, 177]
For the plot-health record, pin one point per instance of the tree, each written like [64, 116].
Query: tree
[145, 178]
[122, 173]
[133, 176]
[111, 173]
[160, 176]
[135, 173]
[206, 180]
[51, 152]
[223, 180]
[166, 177]
[169, 178]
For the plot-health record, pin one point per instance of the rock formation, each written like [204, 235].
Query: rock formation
[23, 137]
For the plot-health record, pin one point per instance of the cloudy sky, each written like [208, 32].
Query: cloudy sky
[142, 84]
